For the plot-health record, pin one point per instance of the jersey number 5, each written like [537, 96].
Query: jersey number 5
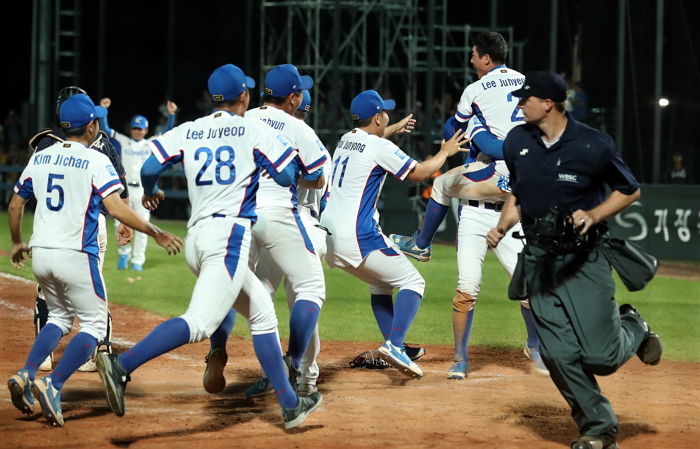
[50, 187]
[209, 156]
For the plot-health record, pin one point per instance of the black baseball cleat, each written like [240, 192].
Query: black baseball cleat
[114, 378]
[294, 417]
[414, 352]
[594, 442]
[651, 349]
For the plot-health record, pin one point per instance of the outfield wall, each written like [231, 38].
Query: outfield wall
[666, 220]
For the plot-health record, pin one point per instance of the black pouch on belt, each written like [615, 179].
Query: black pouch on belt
[634, 264]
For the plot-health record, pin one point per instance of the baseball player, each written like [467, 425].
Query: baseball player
[134, 151]
[280, 228]
[311, 204]
[356, 244]
[42, 140]
[70, 182]
[222, 154]
[488, 111]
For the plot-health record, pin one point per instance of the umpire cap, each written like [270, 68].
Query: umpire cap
[544, 85]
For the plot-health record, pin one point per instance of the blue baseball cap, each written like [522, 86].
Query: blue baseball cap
[284, 80]
[368, 103]
[79, 110]
[305, 105]
[139, 121]
[228, 82]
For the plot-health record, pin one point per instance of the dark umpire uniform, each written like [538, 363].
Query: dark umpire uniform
[566, 275]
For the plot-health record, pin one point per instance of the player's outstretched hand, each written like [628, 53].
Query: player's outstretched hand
[17, 255]
[406, 124]
[124, 234]
[171, 107]
[494, 236]
[455, 143]
[151, 202]
[171, 242]
[106, 102]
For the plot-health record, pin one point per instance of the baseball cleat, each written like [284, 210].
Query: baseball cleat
[398, 359]
[21, 392]
[123, 263]
[214, 380]
[407, 245]
[591, 442]
[261, 388]
[47, 364]
[458, 370]
[537, 362]
[306, 389]
[651, 349]
[414, 352]
[137, 267]
[294, 417]
[89, 366]
[114, 378]
[291, 371]
[50, 400]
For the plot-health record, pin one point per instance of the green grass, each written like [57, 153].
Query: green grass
[670, 305]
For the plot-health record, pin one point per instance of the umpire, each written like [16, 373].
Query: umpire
[558, 171]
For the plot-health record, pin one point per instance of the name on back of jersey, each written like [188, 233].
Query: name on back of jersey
[61, 160]
[352, 146]
[502, 82]
[215, 133]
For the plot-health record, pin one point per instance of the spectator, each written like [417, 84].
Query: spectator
[13, 129]
[677, 174]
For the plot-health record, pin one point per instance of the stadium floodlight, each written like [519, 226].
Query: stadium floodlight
[663, 102]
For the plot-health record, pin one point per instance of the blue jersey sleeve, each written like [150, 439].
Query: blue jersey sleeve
[104, 125]
[488, 144]
[151, 170]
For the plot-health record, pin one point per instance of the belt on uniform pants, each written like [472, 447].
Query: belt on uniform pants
[484, 205]
[133, 184]
[218, 216]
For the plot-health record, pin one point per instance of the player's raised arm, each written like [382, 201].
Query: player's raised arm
[448, 148]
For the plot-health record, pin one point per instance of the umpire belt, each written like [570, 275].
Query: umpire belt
[484, 205]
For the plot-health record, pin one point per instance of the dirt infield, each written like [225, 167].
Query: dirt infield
[500, 405]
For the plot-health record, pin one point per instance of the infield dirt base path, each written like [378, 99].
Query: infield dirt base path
[500, 405]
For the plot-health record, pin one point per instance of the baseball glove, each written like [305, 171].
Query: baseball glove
[369, 360]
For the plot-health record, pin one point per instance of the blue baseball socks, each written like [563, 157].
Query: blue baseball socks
[383, 308]
[267, 349]
[302, 322]
[405, 309]
[77, 352]
[434, 214]
[164, 338]
[45, 343]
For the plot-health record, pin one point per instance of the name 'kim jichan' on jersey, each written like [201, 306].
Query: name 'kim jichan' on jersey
[221, 154]
[69, 181]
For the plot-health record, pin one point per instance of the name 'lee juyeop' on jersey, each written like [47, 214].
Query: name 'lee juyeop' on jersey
[215, 133]
[502, 82]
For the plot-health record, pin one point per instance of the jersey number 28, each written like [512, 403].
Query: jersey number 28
[221, 162]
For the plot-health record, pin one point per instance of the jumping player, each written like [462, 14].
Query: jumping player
[488, 110]
[69, 181]
[222, 154]
[356, 244]
[134, 151]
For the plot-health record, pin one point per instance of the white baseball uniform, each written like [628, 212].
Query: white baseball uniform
[133, 154]
[488, 105]
[222, 155]
[356, 242]
[310, 201]
[69, 181]
[280, 228]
